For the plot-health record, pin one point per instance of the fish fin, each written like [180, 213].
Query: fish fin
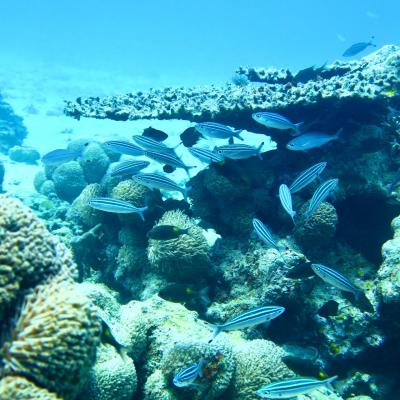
[266, 324]
[142, 211]
[237, 134]
[200, 366]
[123, 352]
[185, 192]
[204, 298]
[297, 128]
[259, 153]
[339, 136]
[292, 215]
[216, 330]
[329, 381]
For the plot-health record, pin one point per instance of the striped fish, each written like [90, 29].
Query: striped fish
[286, 200]
[124, 147]
[264, 234]
[217, 131]
[306, 177]
[157, 181]
[188, 375]
[129, 167]
[320, 195]
[168, 159]
[205, 155]
[250, 318]
[239, 151]
[276, 121]
[292, 388]
[336, 279]
[60, 156]
[148, 143]
[116, 206]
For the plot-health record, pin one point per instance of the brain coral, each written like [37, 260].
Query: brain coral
[69, 180]
[94, 162]
[183, 258]
[29, 254]
[19, 388]
[258, 363]
[54, 339]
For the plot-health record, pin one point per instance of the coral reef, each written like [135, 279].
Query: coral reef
[367, 79]
[54, 339]
[24, 154]
[94, 162]
[2, 171]
[183, 258]
[69, 180]
[12, 129]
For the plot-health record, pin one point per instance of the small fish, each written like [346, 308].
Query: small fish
[292, 387]
[286, 200]
[155, 134]
[157, 181]
[60, 156]
[124, 147]
[117, 206]
[166, 232]
[306, 177]
[239, 151]
[168, 159]
[129, 167]
[169, 169]
[264, 234]
[150, 144]
[190, 137]
[188, 375]
[108, 336]
[357, 48]
[192, 297]
[276, 121]
[205, 155]
[250, 318]
[320, 195]
[217, 131]
[311, 140]
[336, 279]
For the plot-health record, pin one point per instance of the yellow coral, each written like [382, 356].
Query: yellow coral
[54, 339]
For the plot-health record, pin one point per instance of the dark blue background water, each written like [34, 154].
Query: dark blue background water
[178, 41]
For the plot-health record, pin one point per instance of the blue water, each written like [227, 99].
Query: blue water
[187, 42]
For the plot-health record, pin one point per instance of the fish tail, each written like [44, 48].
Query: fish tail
[339, 136]
[297, 127]
[185, 192]
[293, 214]
[358, 294]
[259, 153]
[216, 330]
[141, 211]
[237, 134]
[328, 383]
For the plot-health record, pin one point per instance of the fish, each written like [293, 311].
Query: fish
[276, 121]
[239, 151]
[356, 48]
[166, 232]
[217, 131]
[306, 177]
[264, 234]
[187, 376]
[291, 388]
[150, 144]
[168, 159]
[129, 167]
[192, 297]
[157, 181]
[286, 200]
[311, 140]
[336, 279]
[124, 147]
[205, 155]
[155, 134]
[320, 195]
[168, 169]
[190, 137]
[108, 336]
[117, 206]
[260, 315]
[60, 156]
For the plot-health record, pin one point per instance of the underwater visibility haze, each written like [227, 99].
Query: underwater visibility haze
[199, 200]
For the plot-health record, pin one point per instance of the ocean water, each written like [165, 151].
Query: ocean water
[255, 251]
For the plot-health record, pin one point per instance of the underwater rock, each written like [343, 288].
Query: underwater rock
[111, 378]
[184, 258]
[2, 171]
[69, 180]
[29, 254]
[12, 129]
[94, 162]
[367, 79]
[39, 179]
[318, 231]
[19, 388]
[54, 339]
[23, 154]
